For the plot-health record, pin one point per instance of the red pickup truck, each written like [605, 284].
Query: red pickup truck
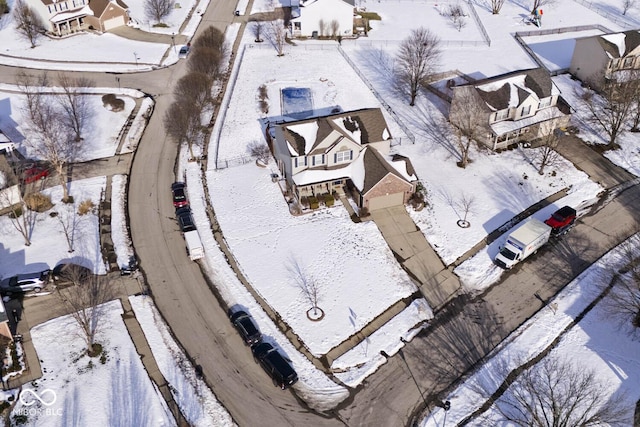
[562, 220]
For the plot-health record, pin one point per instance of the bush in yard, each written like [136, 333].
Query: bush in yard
[314, 203]
[38, 202]
[328, 200]
[112, 103]
[86, 207]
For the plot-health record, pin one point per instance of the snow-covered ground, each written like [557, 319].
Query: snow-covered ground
[110, 390]
[265, 228]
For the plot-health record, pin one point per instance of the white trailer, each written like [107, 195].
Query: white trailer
[522, 242]
[194, 245]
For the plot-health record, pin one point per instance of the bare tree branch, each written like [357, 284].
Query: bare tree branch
[28, 22]
[157, 10]
[418, 58]
[76, 108]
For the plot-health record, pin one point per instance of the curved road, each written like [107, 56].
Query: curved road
[398, 391]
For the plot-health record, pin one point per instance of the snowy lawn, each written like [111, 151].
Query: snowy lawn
[48, 243]
[198, 404]
[100, 136]
[110, 390]
[355, 271]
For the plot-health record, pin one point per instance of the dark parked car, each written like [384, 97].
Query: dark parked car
[246, 327]
[26, 282]
[67, 273]
[275, 365]
[179, 195]
[185, 220]
[35, 173]
[562, 220]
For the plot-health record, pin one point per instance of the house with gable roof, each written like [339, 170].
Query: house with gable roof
[63, 17]
[518, 106]
[597, 59]
[312, 18]
[341, 152]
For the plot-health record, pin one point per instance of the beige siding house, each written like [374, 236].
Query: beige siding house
[510, 108]
[597, 59]
[343, 152]
[62, 17]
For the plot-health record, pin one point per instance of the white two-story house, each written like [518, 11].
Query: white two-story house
[518, 106]
[597, 59]
[343, 152]
[317, 18]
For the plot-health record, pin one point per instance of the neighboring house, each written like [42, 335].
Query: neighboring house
[6, 145]
[342, 151]
[313, 18]
[68, 16]
[518, 106]
[597, 59]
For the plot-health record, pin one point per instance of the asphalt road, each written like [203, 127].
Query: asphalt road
[397, 392]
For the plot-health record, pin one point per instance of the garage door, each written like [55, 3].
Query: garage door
[113, 23]
[389, 200]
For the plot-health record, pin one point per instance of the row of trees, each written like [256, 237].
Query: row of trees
[192, 94]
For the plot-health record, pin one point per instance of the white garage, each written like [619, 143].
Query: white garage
[381, 202]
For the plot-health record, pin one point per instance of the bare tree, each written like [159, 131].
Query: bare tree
[627, 4]
[182, 123]
[469, 119]
[277, 35]
[537, 4]
[4, 8]
[69, 221]
[622, 304]
[610, 108]
[28, 22]
[22, 218]
[259, 150]
[210, 37]
[207, 61]
[465, 204]
[195, 88]
[418, 57]
[307, 284]
[85, 300]
[257, 27]
[322, 27]
[334, 25]
[457, 16]
[77, 110]
[496, 6]
[556, 392]
[50, 139]
[157, 10]
[547, 154]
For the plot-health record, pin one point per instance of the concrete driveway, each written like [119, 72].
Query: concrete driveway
[436, 282]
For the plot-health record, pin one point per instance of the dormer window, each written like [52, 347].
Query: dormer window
[526, 110]
[300, 161]
[343, 156]
[545, 102]
[501, 115]
[317, 160]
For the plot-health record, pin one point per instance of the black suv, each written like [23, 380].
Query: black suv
[275, 365]
[246, 327]
[185, 219]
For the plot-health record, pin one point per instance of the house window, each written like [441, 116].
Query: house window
[318, 160]
[301, 161]
[297, 26]
[628, 62]
[502, 115]
[525, 111]
[615, 64]
[545, 102]
[343, 156]
[338, 182]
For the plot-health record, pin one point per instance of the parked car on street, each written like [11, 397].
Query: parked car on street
[275, 365]
[179, 195]
[35, 173]
[246, 327]
[184, 51]
[185, 220]
[27, 282]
